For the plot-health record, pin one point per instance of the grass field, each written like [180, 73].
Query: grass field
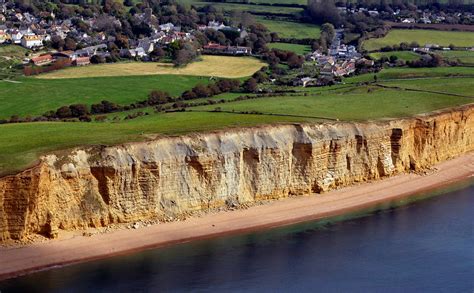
[229, 7]
[10, 57]
[464, 57]
[442, 38]
[298, 49]
[459, 86]
[351, 104]
[415, 73]
[402, 55]
[217, 66]
[289, 29]
[33, 96]
[21, 144]
[299, 2]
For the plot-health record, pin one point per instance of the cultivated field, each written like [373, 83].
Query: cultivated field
[289, 29]
[442, 38]
[21, 144]
[217, 66]
[298, 49]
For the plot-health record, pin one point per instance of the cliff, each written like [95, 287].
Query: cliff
[169, 177]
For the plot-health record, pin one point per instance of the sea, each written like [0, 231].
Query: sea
[425, 244]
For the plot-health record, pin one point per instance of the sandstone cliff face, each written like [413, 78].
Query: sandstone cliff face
[171, 176]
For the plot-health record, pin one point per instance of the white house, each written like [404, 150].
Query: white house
[31, 41]
[16, 37]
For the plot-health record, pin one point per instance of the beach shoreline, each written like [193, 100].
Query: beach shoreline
[16, 261]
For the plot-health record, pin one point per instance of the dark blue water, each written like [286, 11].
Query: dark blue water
[425, 246]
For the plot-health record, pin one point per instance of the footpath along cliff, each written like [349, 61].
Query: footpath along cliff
[169, 177]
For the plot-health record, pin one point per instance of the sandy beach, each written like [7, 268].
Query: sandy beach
[22, 260]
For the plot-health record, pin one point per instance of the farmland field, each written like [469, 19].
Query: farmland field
[298, 49]
[217, 66]
[402, 55]
[21, 144]
[354, 104]
[280, 2]
[442, 38]
[10, 57]
[464, 57]
[33, 96]
[229, 7]
[289, 29]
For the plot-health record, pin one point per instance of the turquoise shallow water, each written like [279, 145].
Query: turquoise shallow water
[423, 246]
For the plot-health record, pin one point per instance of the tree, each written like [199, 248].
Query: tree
[158, 97]
[57, 42]
[250, 85]
[157, 54]
[295, 61]
[201, 91]
[70, 44]
[96, 59]
[322, 11]
[64, 112]
[79, 110]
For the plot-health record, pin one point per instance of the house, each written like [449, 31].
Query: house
[409, 20]
[4, 37]
[16, 36]
[42, 60]
[31, 41]
[81, 61]
[147, 45]
[213, 48]
[91, 51]
[64, 55]
[323, 60]
[133, 53]
[167, 27]
[215, 25]
[308, 81]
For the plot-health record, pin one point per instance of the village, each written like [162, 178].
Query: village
[40, 34]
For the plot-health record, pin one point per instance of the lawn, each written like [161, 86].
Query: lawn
[464, 57]
[33, 96]
[442, 38]
[298, 49]
[217, 66]
[402, 55]
[289, 29]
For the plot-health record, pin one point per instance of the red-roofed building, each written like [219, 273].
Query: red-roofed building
[213, 48]
[82, 61]
[42, 60]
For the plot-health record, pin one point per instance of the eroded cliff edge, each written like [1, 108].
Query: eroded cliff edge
[97, 186]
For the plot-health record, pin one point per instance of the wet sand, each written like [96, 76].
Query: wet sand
[23, 260]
